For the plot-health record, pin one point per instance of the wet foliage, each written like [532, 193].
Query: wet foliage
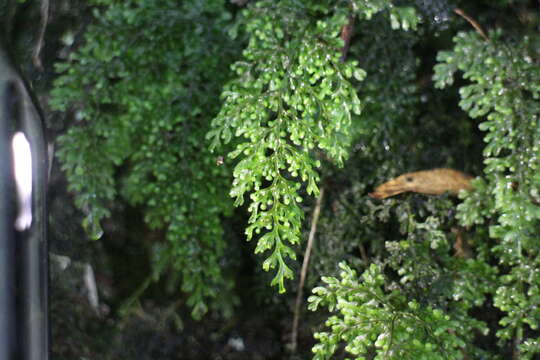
[142, 92]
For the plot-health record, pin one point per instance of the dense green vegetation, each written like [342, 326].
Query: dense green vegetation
[217, 122]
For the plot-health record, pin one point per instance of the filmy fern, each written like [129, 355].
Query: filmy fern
[503, 90]
[142, 97]
[292, 96]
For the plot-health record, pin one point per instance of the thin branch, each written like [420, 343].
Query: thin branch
[346, 35]
[345, 204]
[239, 2]
[305, 264]
[518, 338]
[41, 35]
[472, 22]
[461, 247]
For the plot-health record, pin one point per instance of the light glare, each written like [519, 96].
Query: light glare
[22, 160]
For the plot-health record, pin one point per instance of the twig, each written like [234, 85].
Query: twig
[472, 22]
[239, 2]
[41, 36]
[89, 280]
[305, 264]
[518, 338]
[363, 253]
[461, 247]
[346, 35]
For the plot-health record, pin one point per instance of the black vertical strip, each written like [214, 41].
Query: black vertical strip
[9, 101]
[31, 244]
[24, 325]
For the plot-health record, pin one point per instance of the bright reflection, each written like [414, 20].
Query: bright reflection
[22, 159]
